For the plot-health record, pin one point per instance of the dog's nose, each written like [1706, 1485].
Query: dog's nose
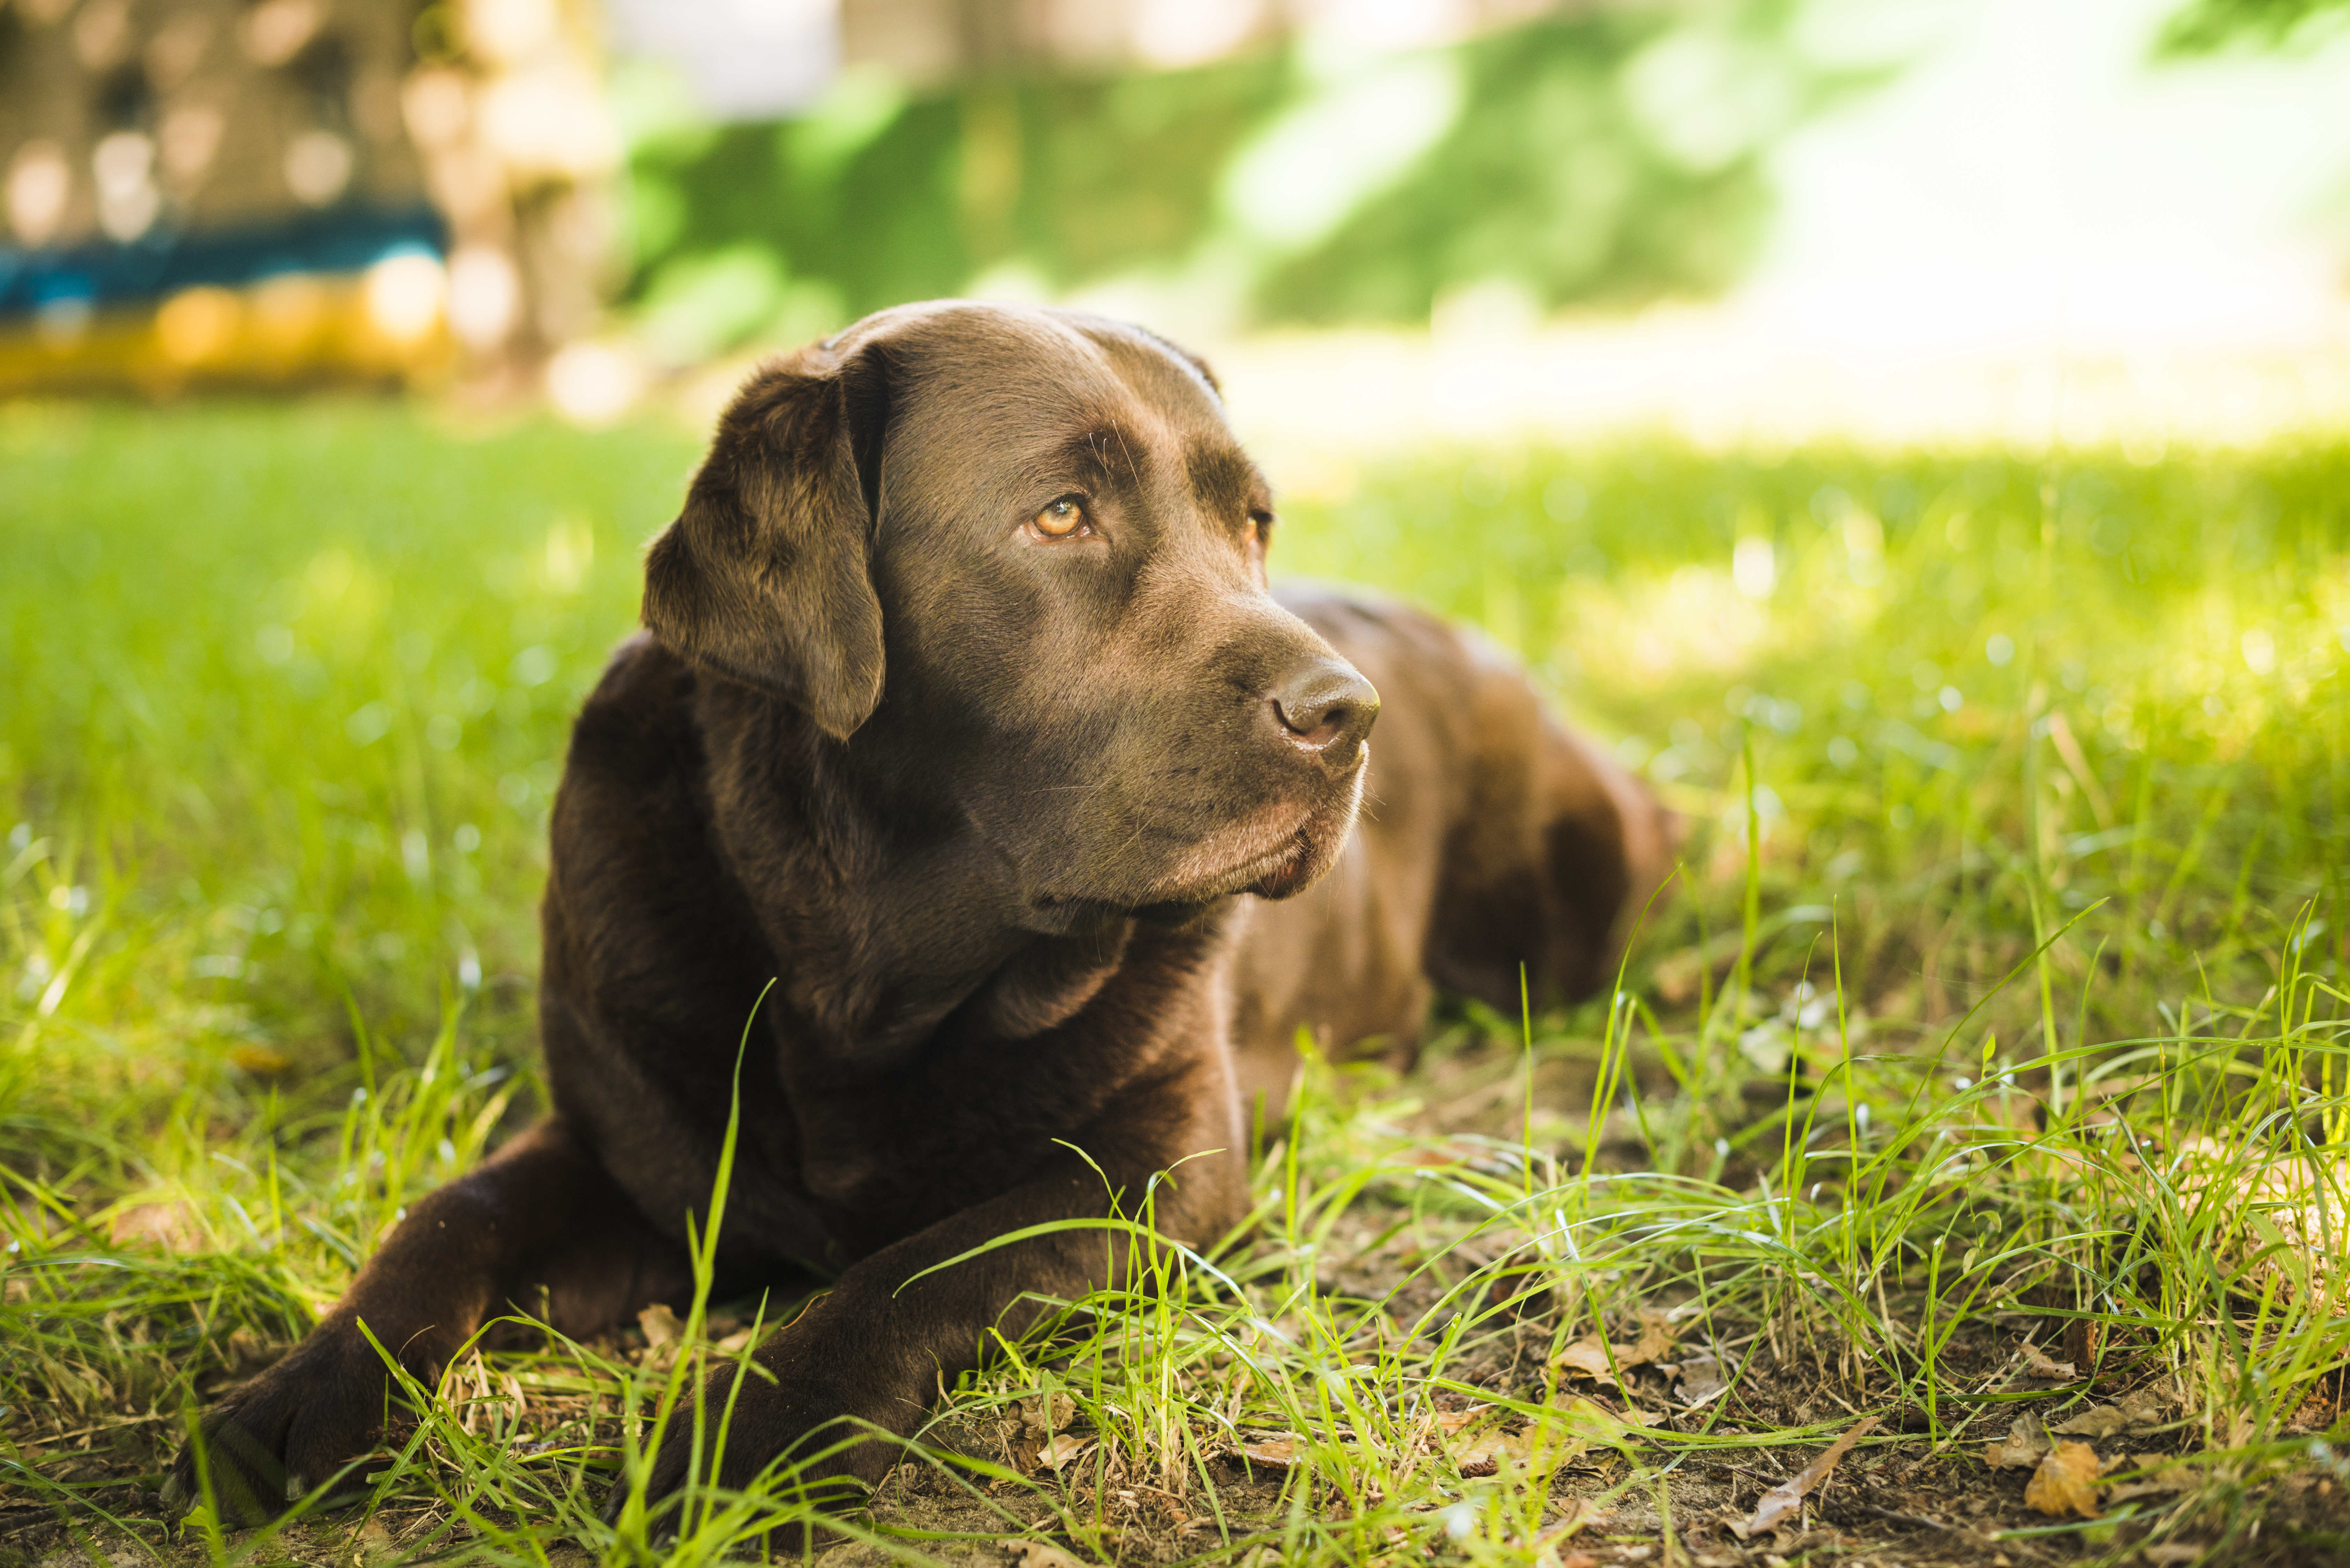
[1327, 707]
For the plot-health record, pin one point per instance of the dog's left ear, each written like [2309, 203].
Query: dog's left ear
[765, 575]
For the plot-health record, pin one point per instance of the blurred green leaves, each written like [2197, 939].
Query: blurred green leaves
[2204, 27]
[1612, 157]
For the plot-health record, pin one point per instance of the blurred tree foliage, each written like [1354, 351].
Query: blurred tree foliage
[2205, 25]
[1610, 156]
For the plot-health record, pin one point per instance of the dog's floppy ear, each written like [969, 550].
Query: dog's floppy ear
[765, 576]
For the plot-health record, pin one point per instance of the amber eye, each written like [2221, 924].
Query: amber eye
[1061, 519]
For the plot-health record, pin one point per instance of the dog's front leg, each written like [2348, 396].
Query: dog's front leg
[540, 1215]
[874, 1351]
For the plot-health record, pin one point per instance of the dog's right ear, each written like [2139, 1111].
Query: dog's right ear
[766, 574]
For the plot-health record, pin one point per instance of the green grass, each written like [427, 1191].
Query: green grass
[2001, 996]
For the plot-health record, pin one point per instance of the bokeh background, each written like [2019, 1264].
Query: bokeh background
[1901, 217]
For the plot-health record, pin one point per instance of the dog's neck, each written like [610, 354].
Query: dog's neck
[901, 922]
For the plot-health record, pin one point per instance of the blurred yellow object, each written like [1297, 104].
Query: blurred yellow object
[387, 324]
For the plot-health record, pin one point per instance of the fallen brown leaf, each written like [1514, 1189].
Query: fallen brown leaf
[2164, 1552]
[1040, 1555]
[2139, 1411]
[2020, 1449]
[1587, 1358]
[1788, 1496]
[1589, 1418]
[2164, 1482]
[1534, 1454]
[2036, 1364]
[2101, 1422]
[1701, 1379]
[1655, 1341]
[1274, 1453]
[661, 1326]
[2065, 1482]
[1062, 1450]
[1590, 1357]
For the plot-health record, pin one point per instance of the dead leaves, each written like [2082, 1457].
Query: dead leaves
[2066, 1472]
[1788, 1496]
[2037, 1364]
[2138, 1412]
[2026, 1443]
[1036, 1435]
[2065, 1482]
[1604, 1363]
[2020, 1449]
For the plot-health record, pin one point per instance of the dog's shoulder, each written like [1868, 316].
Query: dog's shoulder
[639, 721]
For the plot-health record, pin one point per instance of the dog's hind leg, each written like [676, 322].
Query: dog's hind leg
[540, 1228]
[1554, 862]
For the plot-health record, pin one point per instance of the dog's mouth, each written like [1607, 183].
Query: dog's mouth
[1296, 866]
[1275, 851]
[1284, 849]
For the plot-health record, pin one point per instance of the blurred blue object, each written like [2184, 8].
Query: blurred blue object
[102, 274]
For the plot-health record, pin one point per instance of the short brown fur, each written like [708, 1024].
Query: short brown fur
[1042, 842]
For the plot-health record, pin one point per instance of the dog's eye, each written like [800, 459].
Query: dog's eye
[1061, 519]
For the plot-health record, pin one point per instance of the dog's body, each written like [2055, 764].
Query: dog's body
[966, 721]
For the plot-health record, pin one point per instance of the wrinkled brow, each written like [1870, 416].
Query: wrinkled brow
[1106, 455]
[1224, 483]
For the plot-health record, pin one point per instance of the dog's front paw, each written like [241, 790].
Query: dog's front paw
[287, 1432]
[821, 1429]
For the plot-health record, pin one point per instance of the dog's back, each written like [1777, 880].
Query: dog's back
[1490, 836]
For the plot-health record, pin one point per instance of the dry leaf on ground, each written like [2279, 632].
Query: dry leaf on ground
[1701, 1379]
[2165, 1483]
[2065, 1482]
[1586, 1358]
[1534, 1454]
[1040, 1555]
[1279, 1453]
[661, 1326]
[1788, 1496]
[1450, 1422]
[1062, 1450]
[1029, 1425]
[2036, 1364]
[2166, 1554]
[1655, 1341]
[1589, 1357]
[2139, 1411]
[2020, 1449]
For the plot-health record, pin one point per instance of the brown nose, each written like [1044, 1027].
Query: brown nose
[1325, 706]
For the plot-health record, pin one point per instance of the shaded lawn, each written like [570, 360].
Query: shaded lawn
[1986, 1067]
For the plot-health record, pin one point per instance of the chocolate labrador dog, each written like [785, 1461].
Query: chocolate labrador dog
[965, 717]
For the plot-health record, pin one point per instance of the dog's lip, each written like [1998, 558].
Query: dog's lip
[1269, 865]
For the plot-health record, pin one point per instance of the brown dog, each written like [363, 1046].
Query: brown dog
[966, 718]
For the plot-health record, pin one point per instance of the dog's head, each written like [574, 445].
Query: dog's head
[1013, 560]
